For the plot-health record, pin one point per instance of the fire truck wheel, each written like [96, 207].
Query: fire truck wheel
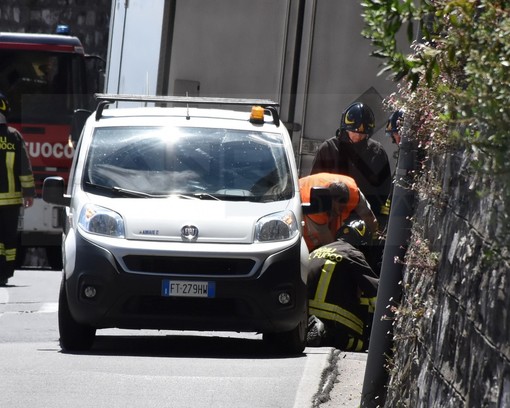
[54, 256]
[20, 257]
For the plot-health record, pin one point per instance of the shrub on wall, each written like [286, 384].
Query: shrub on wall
[460, 62]
[451, 328]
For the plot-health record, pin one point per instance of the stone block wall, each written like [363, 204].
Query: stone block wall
[88, 20]
[452, 328]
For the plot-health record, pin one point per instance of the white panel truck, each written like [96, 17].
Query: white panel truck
[308, 55]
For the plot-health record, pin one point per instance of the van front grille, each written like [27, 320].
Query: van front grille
[189, 266]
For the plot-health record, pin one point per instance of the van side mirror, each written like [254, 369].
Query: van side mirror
[79, 118]
[54, 191]
[320, 201]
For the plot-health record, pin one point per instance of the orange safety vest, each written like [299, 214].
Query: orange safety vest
[311, 236]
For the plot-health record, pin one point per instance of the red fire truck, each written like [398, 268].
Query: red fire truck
[46, 77]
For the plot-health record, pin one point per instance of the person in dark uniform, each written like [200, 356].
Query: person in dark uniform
[352, 152]
[17, 188]
[342, 292]
[393, 127]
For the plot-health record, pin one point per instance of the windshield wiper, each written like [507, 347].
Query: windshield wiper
[123, 192]
[133, 193]
[195, 196]
[203, 196]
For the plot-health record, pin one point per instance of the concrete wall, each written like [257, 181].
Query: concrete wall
[89, 20]
[452, 328]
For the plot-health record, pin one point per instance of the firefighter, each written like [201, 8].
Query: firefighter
[342, 292]
[393, 127]
[17, 188]
[320, 229]
[353, 152]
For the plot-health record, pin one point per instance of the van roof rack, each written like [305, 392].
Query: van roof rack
[107, 99]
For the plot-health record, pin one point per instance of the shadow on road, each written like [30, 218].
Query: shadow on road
[183, 345]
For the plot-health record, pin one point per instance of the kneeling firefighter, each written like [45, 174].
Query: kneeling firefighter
[342, 292]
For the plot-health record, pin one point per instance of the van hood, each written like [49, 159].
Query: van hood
[191, 220]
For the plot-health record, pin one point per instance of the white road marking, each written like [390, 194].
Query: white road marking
[48, 308]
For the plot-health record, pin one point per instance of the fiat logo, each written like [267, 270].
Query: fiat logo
[189, 233]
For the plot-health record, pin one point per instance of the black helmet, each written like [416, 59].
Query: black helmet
[355, 233]
[394, 122]
[358, 118]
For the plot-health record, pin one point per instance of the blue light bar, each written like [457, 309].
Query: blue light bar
[63, 29]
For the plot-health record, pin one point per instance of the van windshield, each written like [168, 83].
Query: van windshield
[206, 163]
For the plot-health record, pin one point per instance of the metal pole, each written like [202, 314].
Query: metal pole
[389, 293]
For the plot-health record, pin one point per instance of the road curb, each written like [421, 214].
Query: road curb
[342, 381]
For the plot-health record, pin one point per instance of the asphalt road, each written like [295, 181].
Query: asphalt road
[155, 369]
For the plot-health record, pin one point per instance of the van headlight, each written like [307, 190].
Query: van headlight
[276, 227]
[101, 221]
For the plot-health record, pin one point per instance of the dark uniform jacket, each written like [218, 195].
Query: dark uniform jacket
[16, 178]
[366, 162]
[342, 294]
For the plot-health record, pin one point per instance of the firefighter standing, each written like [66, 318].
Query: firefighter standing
[354, 153]
[393, 126]
[17, 188]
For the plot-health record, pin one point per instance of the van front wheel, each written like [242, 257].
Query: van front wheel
[289, 342]
[73, 335]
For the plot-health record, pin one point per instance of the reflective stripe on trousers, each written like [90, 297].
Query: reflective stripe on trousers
[322, 309]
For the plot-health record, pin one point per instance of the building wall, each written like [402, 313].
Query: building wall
[88, 20]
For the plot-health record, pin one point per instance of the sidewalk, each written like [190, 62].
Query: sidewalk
[345, 385]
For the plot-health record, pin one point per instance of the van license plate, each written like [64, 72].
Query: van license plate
[188, 288]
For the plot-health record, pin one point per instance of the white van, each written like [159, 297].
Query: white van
[183, 218]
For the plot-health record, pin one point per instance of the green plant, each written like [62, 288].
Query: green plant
[454, 87]
[460, 55]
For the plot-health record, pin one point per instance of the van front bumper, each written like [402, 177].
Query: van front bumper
[103, 293]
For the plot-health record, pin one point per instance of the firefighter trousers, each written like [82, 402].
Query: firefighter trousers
[8, 239]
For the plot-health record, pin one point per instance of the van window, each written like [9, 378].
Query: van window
[223, 163]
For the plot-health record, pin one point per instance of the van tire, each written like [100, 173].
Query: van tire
[73, 335]
[291, 342]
